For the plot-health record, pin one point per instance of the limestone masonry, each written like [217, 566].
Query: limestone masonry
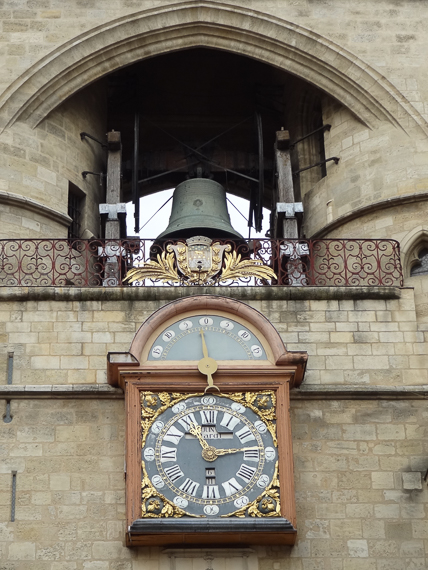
[359, 420]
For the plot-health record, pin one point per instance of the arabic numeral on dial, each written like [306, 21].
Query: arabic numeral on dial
[241, 501]
[157, 427]
[206, 322]
[149, 454]
[180, 502]
[256, 350]
[211, 510]
[245, 435]
[246, 472]
[180, 407]
[185, 325]
[270, 453]
[227, 325]
[173, 473]
[245, 335]
[261, 427]
[168, 335]
[208, 400]
[158, 481]
[263, 481]
[189, 486]
[157, 351]
[168, 454]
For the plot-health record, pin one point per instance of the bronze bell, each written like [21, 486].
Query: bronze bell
[199, 208]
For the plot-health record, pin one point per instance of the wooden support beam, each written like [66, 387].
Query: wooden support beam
[285, 189]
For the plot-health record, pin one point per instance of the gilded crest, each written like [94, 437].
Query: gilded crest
[199, 261]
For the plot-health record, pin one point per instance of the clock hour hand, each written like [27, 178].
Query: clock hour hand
[197, 431]
[207, 365]
[226, 451]
[204, 345]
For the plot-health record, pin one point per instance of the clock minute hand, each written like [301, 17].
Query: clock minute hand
[232, 450]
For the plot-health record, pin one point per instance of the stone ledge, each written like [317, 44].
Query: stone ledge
[8, 294]
[99, 391]
[341, 392]
[310, 392]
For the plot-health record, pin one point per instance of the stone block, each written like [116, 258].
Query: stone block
[412, 480]
[22, 551]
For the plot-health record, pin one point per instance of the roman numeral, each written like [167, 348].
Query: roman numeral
[208, 417]
[231, 486]
[229, 421]
[174, 472]
[246, 472]
[245, 435]
[251, 455]
[189, 487]
[168, 454]
[187, 421]
[210, 492]
[173, 435]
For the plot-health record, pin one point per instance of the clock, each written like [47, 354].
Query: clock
[209, 456]
[208, 439]
[227, 338]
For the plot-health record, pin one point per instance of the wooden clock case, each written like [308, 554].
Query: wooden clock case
[135, 374]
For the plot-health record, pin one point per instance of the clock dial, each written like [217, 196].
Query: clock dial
[209, 455]
[226, 340]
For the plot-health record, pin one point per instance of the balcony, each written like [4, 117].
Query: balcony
[291, 263]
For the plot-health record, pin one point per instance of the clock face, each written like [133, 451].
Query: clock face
[209, 455]
[226, 339]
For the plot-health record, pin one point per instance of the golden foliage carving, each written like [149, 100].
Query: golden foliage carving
[163, 269]
[234, 268]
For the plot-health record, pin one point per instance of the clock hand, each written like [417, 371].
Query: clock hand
[197, 431]
[207, 365]
[204, 345]
[225, 451]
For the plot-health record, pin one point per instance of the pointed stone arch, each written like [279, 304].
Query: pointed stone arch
[121, 42]
[411, 245]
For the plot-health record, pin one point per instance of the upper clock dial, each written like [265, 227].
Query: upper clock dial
[225, 338]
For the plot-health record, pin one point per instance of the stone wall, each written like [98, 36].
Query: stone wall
[361, 501]
[349, 341]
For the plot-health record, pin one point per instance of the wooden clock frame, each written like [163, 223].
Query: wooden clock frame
[279, 376]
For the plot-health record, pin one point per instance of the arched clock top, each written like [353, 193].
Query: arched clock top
[234, 333]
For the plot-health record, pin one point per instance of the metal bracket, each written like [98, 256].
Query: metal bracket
[84, 136]
[289, 209]
[334, 158]
[323, 129]
[112, 210]
[86, 172]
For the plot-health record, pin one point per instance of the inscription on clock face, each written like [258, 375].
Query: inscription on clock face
[226, 340]
[209, 452]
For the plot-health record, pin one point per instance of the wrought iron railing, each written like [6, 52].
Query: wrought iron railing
[102, 263]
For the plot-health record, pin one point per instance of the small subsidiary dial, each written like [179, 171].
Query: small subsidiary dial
[226, 340]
